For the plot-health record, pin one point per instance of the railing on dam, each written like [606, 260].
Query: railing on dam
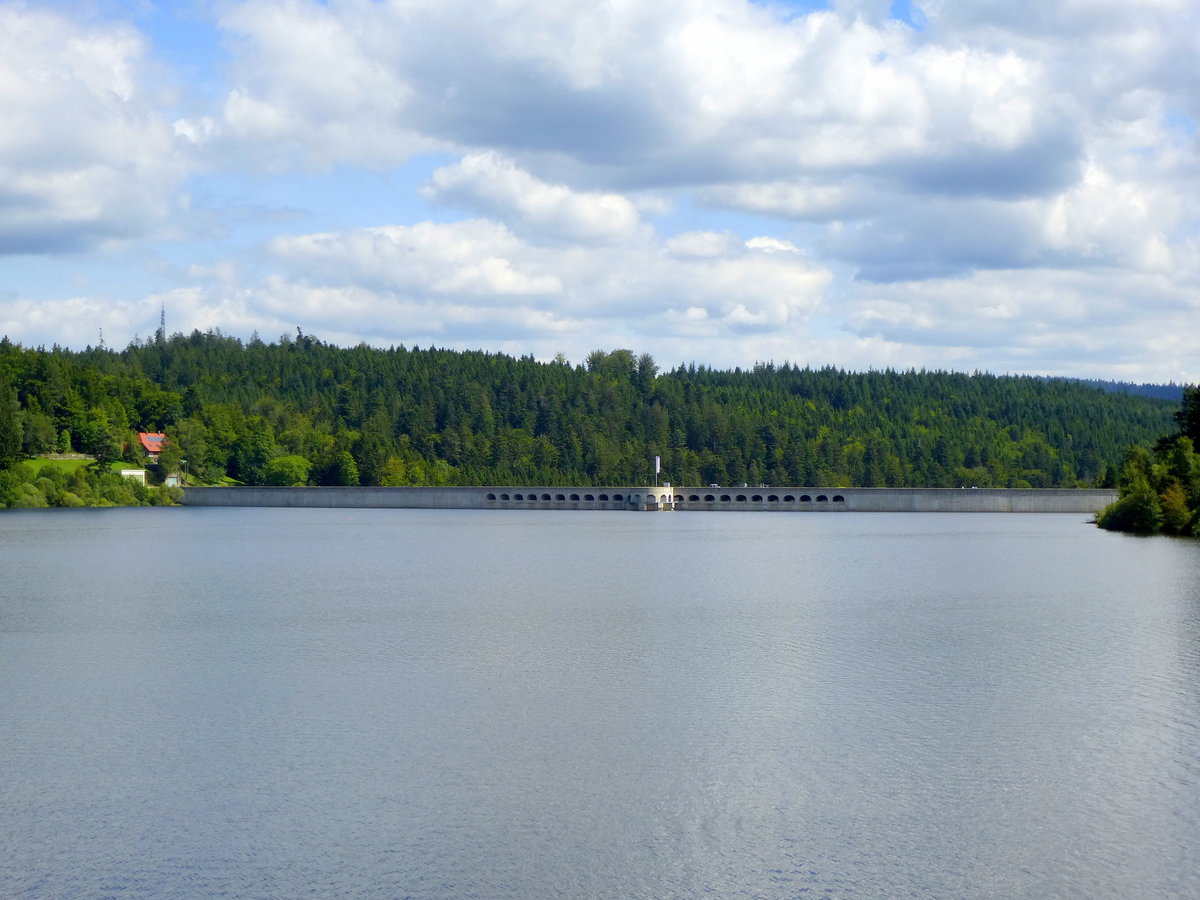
[782, 499]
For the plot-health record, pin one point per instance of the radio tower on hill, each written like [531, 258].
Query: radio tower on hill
[161, 337]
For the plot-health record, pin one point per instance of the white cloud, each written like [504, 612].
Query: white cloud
[474, 259]
[771, 245]
[1044, 321]
[817, 199]
[829, 117]
[313, 84]
[476, 281]
[695, 90]
[495, 185]
[702, 244]
[430, 258]
[85, 154]
[81, 321]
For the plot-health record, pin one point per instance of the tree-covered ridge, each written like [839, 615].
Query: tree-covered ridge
[302, 411]
[1160, 488]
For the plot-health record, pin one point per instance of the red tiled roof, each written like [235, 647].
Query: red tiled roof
[152, 440]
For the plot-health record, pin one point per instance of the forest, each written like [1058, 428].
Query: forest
[1160, 486]
[301, 411]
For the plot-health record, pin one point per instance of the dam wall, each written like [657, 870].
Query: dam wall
[710, 499]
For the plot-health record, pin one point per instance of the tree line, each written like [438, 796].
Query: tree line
[1160, 486]
[301, 411]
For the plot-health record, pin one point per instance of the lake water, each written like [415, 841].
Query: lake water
[269, 703]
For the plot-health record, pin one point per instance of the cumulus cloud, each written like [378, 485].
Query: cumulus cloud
[492, 184]
[835, 116]
[312, 85]
[83, 320]
[85, 152]
[696, 91]
[477, 259]
[730, 285]
[1048, 323]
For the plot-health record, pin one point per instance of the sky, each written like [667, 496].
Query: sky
[969, 185]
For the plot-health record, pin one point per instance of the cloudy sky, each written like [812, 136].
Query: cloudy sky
[956, 184]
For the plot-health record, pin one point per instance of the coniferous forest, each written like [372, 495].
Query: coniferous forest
[300, 411]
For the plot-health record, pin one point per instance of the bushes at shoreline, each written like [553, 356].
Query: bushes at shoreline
[26, 486]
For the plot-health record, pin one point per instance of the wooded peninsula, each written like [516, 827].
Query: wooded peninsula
[1160, 486]
[301, 411]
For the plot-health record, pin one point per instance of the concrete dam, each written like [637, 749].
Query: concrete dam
[665, 498]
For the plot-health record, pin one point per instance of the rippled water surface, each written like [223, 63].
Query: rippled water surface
[429, 704]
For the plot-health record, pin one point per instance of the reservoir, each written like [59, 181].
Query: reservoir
[427, 703]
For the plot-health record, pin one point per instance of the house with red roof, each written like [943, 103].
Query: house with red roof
[152, 442]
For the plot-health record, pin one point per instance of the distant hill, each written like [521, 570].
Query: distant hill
[1172, 391]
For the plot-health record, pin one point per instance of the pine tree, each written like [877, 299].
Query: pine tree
[10, 424]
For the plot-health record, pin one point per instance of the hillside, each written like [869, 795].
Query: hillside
[299, 410]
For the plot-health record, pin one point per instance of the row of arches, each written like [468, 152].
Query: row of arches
[561, 498]
[760, 498]
[638, 499]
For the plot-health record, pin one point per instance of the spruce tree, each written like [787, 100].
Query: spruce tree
[10, 424]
